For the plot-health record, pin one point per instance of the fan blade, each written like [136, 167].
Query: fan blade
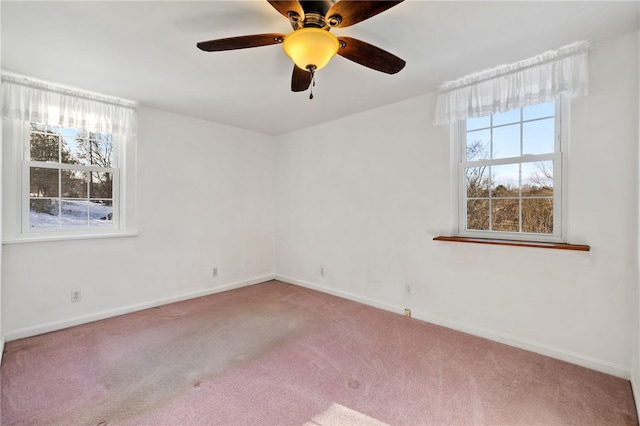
[286, 6]
[300, 80]
[354, 11]
[242, 42]
[369, 55]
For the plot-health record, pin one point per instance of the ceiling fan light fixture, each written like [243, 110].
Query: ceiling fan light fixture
[310, 47]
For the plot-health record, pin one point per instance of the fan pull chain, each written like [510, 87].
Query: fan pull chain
[312, 70]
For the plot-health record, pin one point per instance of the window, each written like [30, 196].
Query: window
[72, 179]
[68, 163]
[510, 161]
[510, 174]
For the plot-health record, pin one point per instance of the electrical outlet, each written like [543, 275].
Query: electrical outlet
[215, 272]
[76, 296]
[408, 289]
[322, 271]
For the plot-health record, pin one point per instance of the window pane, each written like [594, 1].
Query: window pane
[478, 181]
[478, 145]
[505, 215]
[43, 213]
[506, 141]
[43, 147]
[74, 213]
[38, 127]
[101, 150]
[537, 179]
[70, 132]
[537, 215]
[73, 142]
[74, 184]
[547, 109]
[101, 185]
[43, 182]
[478, 214]
[505, 191]
[506, 178]
[512, 116]
[44, 128]
[101, 213]
[478, 122]
[538, 137]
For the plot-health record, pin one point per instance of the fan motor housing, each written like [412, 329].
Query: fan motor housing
[313, 20]
[321, 7]
[314, 15]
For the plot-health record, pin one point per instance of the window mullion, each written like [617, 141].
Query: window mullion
[530, 158]
[490, 199]
[520, 196]
[491, 174]
[521, 141]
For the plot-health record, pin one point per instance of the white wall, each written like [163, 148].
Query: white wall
[1, 171]
[205, 199]
[635, 338]
[364, 196]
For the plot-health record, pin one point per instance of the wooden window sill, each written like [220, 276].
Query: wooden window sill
[538, 244]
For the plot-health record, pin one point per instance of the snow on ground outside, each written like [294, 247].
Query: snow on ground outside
[74, 213]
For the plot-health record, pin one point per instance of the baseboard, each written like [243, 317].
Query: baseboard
[635, 388]
[557, 353]
[59, 325]
[343, 294]
[1, 349]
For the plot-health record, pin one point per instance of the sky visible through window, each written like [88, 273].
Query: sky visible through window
[538, 137]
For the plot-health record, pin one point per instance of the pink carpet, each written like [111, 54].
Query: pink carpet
[277, 354]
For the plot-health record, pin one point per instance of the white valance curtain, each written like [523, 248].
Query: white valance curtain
[529, 82]
[38, 102]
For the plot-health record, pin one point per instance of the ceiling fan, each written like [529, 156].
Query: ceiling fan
[311, 45]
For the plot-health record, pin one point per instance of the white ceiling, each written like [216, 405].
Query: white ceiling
[145, 51]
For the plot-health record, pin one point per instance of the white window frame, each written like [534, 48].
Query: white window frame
[559, 235]
[16, 165]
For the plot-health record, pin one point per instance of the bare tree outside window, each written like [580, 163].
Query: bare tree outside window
[478, 181]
